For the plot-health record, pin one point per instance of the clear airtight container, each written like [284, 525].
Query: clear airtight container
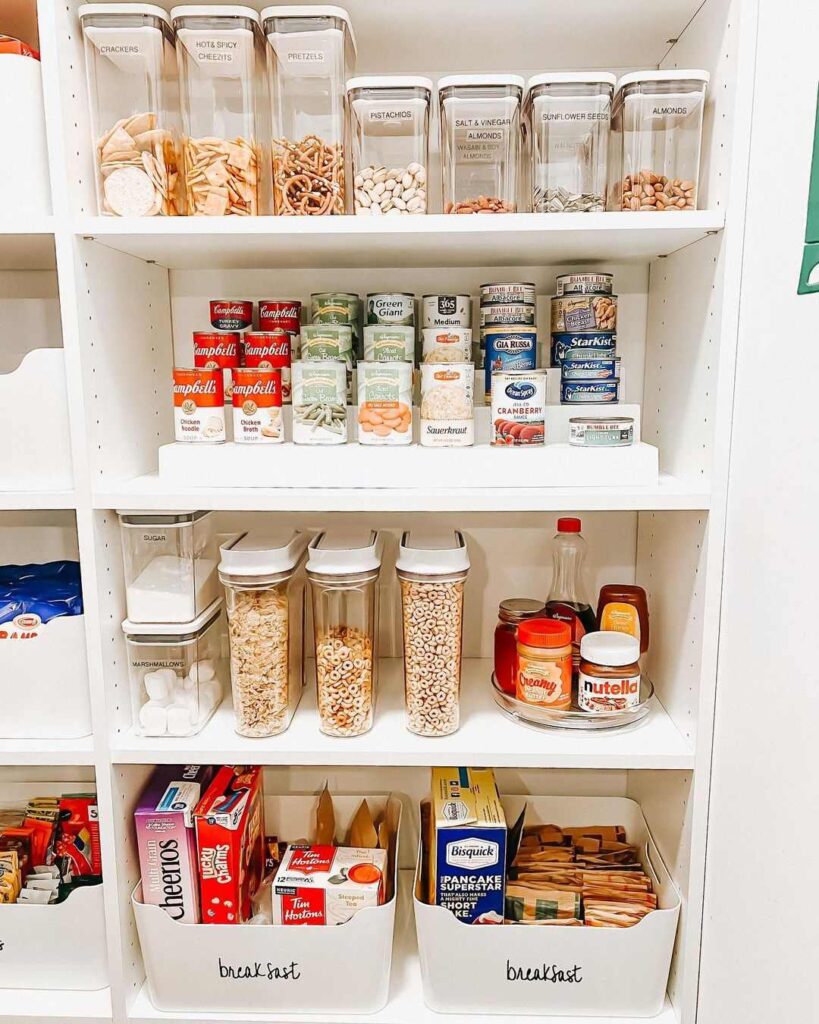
[221, 61]
[265, 591]
[389, 119]
[656, 138]
[170, 565]
[568, 116]
[133, 96]
[313, 54]
[178, 672]
[432, 569]
[343, 568]
[480, 142]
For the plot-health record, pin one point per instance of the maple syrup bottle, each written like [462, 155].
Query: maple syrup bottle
[567, 600]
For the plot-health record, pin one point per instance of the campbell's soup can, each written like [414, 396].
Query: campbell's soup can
[270, 350]
[199, 405]
[257, 406]
[280, 313]
[212, 350]
[231, 314]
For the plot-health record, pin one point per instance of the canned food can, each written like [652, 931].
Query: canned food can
[591, 345]
[508, 348]
[212, 350]
[280, 313]
[231, 314]
[199, 405]
[521, 314]
[334, 307]
[267, 350]
[329, 341]
[518, 408]
[584, 313]
[598, 392]
[513, 291]
[601, 431]
[389, 344]
[320, 402]
[584, 284]
[391, 308]
[590, 369]
[385, 403]
[257, 406]
[447, 405]
[446, 344]
[446, 311]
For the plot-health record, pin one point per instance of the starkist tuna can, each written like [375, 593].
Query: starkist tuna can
[594, 344]
[508, 348]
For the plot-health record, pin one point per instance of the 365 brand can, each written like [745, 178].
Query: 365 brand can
[212, 350]
[284, 314]
[446, 311]
[508, 348]
[231, 314]
[266, 350]
[257, 406]
[518, 408]
[391, 308]
[198, 405]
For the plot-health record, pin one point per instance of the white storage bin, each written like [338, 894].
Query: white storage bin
[469, 969]
[24, 180]
[342, 969]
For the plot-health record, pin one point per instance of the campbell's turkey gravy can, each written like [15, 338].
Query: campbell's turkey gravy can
[199, 404]
[270, 350]
[280, 313]
[231, 314]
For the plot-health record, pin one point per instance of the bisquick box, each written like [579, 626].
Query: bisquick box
[166, 839]
[467, 870]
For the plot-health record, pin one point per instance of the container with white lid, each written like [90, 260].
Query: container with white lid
[609, 677]
[264, 591]
[133, 97]
[389, 119]
[343, 568]
[480, 142]
[221, 56]
[170, 565]
[567, 119]
[432, 568]
[178, 673]
[656, 139]
[311, 55]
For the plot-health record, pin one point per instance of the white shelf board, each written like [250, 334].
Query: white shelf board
[519, 239]
[27, 243]
[486, 735]
[78, 751]
[54, 1006]
[37, 499]
[406, 1000]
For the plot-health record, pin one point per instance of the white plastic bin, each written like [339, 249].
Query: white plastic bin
[24, 180]
[623, 971]
[338, 970]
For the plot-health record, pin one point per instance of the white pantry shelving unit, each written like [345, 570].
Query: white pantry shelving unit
[129, 295]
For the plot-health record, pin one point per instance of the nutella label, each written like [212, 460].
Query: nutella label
[611, 694]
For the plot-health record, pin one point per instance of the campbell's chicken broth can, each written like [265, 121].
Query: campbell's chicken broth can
[270, 350]
[280, 313]
[257, 406]
[199, 405]
[231, 314]
[212, 350]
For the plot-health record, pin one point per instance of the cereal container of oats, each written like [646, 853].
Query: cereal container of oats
[265, 595]
[130, 63]
[447, 398]
[343, 568]
[220, 51]
[385, 403]
[311, 55]
[432, 570]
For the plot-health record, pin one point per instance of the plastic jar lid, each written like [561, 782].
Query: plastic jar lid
[485, 81]
[549, 633]
[309, 11]
[390, 82]
[263, 553]
[126, 10]
[607, 647]
[572, 78]
[217, 11]
[127, 517]
[635, 77]
[340, 552]
[173, 632]
[516, 609]
[432, 553]
[568, 524]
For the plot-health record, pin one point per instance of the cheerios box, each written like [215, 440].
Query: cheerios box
[468, 845]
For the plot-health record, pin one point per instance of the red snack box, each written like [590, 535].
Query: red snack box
[8, 44]
[230, 844]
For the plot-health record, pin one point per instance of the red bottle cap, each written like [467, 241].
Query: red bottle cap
[568, 524]
[544, 633]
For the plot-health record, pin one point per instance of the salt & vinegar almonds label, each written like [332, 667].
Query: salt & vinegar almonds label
[199, 405]
[257, 406]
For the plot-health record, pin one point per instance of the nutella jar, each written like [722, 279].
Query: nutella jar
[609, 677]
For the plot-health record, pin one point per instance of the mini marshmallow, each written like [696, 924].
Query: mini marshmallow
[180, 721]
[153, 718]
[156, 686]
[202, 671]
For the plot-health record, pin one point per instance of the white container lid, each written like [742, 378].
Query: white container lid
[263, 552]
[311, 11]
[390, 82]
[432, 552]
[514, 81]
[572, 78]
[339, 552]
[607, 647]
[139, 517]
[178, 629]
[150, 10]
[664, 76]
[217, 11]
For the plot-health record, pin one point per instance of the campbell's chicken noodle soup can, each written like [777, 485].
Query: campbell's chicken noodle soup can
[199, 405]
[231, 314]
[270, 350]
[280, 313]
[257, 406]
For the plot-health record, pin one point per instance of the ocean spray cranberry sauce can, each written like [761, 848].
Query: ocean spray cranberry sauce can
[231, 314]
[199, 405]
[257, 406]
[266, 350]
[276, 313]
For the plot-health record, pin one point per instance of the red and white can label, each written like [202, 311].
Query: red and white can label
[270, 350]
[280, 313]
[199, 404]
[231, 314]
[257, 406]
[211, 350]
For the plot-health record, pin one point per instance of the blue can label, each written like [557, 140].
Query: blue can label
[509, 350]
[596, 391]
[601, 344]
[590, 369]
